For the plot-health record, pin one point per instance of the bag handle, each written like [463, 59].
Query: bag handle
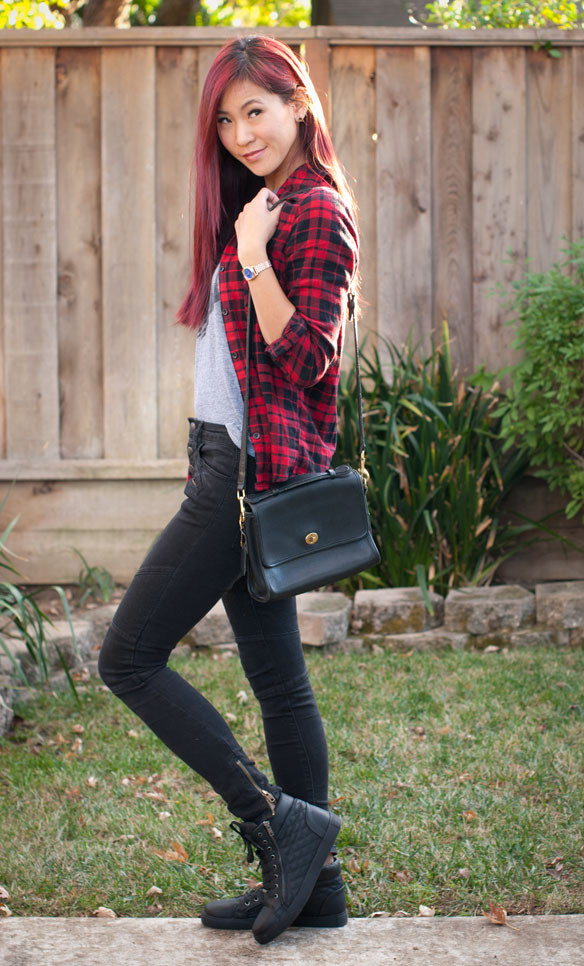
[241, 479]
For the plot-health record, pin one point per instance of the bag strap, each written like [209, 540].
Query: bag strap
[242, 474]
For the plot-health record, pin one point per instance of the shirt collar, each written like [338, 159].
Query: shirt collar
[302, 177]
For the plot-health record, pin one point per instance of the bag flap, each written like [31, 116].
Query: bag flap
[327, 511]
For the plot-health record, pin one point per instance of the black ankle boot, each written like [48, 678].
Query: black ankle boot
[291, 846]
[325, 909]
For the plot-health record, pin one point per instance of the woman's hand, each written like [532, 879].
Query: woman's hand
[255, 226]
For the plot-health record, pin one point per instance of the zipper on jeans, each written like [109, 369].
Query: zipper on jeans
[267, 795]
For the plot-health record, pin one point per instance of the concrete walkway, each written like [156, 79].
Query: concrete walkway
[541, 941]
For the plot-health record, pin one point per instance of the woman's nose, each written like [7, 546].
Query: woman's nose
[243, 134]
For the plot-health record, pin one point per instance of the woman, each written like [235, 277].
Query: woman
[261, 138]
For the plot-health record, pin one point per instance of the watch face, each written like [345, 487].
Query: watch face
[248, 273]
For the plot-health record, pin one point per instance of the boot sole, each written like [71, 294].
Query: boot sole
[334, 921]
[295, 909]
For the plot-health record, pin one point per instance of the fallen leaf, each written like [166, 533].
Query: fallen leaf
[242, 697]
[4, 893]
[132, 733]
[216, 833]
[155, 907]
[402, 875]
[156, 796]
[464, 873]
[60, 740]
[469, 815]
[444, 730]
[154, 891]
[4, 910]
[102, 912]
[405, 654]
[91, 781]
[176, 854]
[82, 675]
[229, 716]
[378, 915]
[253, 883]
[164, 816]
[376, 649]
[74, 792]
[427, 911]
[498, 916]
[335, 801]
[77, 746]
[418, 730]
[78, 729]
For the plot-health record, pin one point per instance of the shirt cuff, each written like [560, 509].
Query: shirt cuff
[293, 330]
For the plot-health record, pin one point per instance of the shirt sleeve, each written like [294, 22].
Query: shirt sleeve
[321, 260]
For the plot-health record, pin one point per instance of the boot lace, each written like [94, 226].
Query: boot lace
[258, 838]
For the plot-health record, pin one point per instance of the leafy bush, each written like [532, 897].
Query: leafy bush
[472, 14]
[438, 472]
[544, 411]
[21, 616]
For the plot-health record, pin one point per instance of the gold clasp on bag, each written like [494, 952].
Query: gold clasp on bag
[241, 498]
[311, 538]
[363, 473]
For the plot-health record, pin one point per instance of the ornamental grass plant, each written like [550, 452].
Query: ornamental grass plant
[439, 472]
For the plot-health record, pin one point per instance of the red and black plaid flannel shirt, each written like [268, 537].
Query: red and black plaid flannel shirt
[294, 380]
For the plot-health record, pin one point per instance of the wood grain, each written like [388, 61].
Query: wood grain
[577, 146]
[404, 255]
[452, 200]
[129, 270]
[549, 185]
[317, 56]
[499, 195]
[79, 268]
[353, 80]
[176, 98]
[30, 252]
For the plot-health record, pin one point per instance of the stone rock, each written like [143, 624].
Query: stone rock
[395, 610]
[100, 618]
[560, 604]
[214, 629]
[323, 617]
[527, 637]
[481, 610]
[6, 714]
[436, 639]
[58, 636]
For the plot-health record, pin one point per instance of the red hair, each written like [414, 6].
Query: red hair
[223, 184]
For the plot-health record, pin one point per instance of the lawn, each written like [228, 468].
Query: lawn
[459, 779]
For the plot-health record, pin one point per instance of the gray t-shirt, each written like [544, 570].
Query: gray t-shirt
[218, 397]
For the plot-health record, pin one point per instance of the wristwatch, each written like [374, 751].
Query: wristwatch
[251, 271]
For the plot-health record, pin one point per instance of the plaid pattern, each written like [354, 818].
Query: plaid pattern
[294, 380]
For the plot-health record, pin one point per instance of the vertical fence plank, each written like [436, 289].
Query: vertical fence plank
[79, 232]
[404, 258]
[549, 186]
[452, 198]
[30, 249]
[128, 221]
[577, 143]
[318, 57]
[499, 192]
[2, 260]
[353, 78]
[176, 99]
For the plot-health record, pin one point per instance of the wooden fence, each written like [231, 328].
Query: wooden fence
[467, 154]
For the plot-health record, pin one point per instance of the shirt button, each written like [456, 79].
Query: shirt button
[222, 268]
[225, 311]
[235, 355]
[255, 435]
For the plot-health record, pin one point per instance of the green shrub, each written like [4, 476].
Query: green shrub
[472, 14]
[438, 472]
[544, 410]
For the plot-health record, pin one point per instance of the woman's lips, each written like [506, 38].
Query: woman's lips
[253, 155]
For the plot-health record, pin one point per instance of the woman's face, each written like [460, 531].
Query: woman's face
[261, 130]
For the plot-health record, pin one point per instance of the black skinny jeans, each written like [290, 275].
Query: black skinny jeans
[194, 562]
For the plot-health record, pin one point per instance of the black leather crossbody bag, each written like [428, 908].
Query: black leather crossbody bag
[312, 530]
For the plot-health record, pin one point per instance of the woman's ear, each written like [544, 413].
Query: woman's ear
[300, 103]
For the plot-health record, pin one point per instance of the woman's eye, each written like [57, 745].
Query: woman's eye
[221, 119]
[255, 110]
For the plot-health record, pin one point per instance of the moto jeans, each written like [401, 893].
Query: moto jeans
[195, 562]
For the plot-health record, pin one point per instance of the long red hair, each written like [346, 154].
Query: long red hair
[223, 184]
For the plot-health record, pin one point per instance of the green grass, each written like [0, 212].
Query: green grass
[439, 763]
